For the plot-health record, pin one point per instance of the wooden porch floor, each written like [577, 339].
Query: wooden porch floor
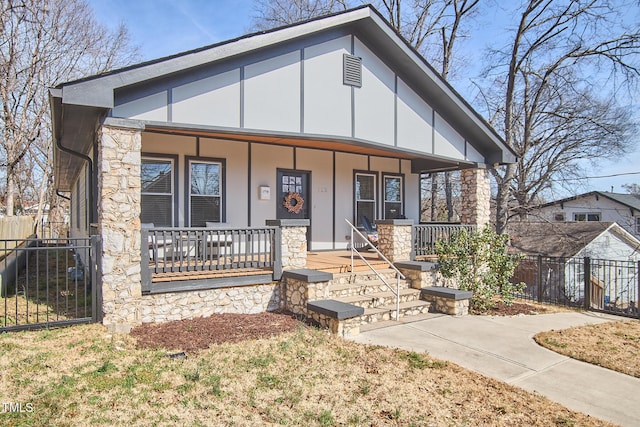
[340, 261]
[329, 261]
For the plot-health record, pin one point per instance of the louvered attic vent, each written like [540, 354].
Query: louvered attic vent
[352, 73]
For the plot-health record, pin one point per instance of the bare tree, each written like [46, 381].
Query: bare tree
[545, 92]
[275, 13]
[632, 189]
[42, 43]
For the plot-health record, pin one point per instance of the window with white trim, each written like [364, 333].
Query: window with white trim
[559, 216]
[638, 224]
[586, 216]
[158, 188]
[393, 200]
[205, 192]
[365, 197]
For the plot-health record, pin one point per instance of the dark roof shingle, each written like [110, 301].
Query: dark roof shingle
[553, 239]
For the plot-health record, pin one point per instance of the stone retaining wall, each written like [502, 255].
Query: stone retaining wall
[449, 306]
[297, 293]
[343, 328]
[187, 305]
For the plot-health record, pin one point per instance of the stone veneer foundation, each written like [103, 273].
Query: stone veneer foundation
[187, 305]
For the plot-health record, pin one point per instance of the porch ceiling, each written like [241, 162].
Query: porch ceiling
[352, 145]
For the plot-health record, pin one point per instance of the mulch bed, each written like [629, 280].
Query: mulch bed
[501, 309]
[197, 334]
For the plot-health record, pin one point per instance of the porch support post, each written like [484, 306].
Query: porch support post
[476, 195]
[119, 146]
[394, 239]
[293, 241]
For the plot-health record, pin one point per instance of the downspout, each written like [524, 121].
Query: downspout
[90, 164]
[59, 194]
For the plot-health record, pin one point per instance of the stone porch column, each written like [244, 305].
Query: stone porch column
[118, 168]
[476, 195]
[293, 252]
[394, 239]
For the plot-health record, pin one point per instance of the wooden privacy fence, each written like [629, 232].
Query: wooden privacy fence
[13, 229]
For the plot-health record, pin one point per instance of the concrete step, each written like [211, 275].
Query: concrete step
[406, 319]
[381, 298]
[342, 290]
[379, 314]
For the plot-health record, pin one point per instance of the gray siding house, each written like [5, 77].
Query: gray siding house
[605, 206]
[314, 123]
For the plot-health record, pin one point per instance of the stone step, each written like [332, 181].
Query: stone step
[379, 314]
[362, 276]
[381, 298]
[339, 291]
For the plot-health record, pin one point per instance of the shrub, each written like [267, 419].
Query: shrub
[480, 263]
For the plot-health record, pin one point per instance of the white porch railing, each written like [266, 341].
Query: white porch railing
[399, 275]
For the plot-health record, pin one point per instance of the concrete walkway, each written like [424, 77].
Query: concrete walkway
[503, 348]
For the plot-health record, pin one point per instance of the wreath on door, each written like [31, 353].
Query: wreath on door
[293, 202]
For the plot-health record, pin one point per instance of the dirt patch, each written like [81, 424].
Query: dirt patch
[521, 308]
[502, 309]
[198, 334]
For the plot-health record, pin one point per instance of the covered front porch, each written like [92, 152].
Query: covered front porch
[187, 259]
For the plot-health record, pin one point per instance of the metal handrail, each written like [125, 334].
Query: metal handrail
[399, 275]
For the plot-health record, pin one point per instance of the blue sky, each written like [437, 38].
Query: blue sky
[165, 27]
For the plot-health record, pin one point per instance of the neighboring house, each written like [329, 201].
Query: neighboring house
[562, 248]
[330, 119]
[623, 209]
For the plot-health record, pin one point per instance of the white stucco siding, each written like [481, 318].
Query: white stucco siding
[374, 101]
[212, 101]
[235, 155]
[448, 142]
[272, 94]
[265, 160]
[608, 210]
[150, 107]
[327, 101]
[345, 165]
[320, 164]
[415, 120]
[412, 192]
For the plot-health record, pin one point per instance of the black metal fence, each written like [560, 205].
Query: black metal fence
[425, 236]
[596, 284]
[48, 283]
